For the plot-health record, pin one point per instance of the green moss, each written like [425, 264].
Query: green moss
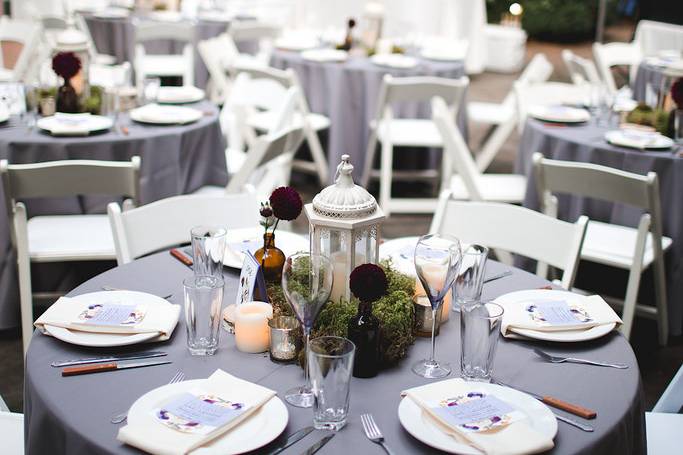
[645, 115]
[92, 104]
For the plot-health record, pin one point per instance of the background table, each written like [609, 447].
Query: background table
[587, 144]
[347, 93]
[175, 160]
[647, 74]
[71, 415]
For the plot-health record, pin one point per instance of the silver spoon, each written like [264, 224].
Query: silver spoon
[555, 359]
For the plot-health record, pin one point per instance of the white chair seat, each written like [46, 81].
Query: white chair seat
[104, 59]
[210, 190]
[663, 432]
[264, 121]
[489, 113]
[12, 433]
[410, 132]
[615, 245]
[164, 65]
[493, 187]
[70, 238]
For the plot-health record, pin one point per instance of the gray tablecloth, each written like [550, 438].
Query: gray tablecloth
[71, 415]
[586, 144]
[347, 93]
[116, 36]
[175, 160]
[646, 74]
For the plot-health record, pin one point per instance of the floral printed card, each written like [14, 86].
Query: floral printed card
[197, 412]
[112, 314]
[476, 412]
[557, 312]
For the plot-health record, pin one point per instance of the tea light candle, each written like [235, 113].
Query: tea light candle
[445, 306]
[251, 326]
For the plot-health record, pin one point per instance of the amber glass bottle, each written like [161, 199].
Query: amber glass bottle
[365, 332]
[271, 258]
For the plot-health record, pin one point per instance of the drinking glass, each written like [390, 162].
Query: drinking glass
[479, 333]
[330, 361]
[307, 283]
[678, 126]
[203, 301]
[470, 279]
[437, 261]
[208, 248]
[150, 90]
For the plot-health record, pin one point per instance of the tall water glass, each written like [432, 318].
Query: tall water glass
[150, 90]
[208, 248]
[479, 333]
[470, 279]
[437, 261]
[203, 302]
[307, 283]
[330, 361]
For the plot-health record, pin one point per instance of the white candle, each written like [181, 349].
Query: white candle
[339, 284]
[251, 326]
[437, 278]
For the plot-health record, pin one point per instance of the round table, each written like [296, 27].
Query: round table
[71, 415]
[586, 143]
[176, 159]
[347, 93]
[647, 74]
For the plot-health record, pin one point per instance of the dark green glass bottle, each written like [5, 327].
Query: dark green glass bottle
[365, 332]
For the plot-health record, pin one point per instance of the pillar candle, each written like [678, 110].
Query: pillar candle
[446, 305]
[252, 333]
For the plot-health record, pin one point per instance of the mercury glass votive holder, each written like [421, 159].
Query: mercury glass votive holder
[423, 317]
[285, 338]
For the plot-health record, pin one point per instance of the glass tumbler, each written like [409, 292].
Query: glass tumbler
[479, 333]
[203, 302]
[150, 90]
[330, 361]
[208, 248]
[470, 279]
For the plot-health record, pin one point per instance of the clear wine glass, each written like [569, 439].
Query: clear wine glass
[437, 260]
[307, 283]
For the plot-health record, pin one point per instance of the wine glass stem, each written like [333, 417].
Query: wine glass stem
[431, 357]
[307, 333]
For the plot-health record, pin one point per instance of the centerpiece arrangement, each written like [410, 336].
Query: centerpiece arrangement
[665, 118]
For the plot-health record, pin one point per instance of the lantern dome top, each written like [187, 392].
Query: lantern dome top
[72, 40]
[344, 199]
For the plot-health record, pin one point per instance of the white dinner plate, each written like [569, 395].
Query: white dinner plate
[101, 340]
[179, 95]
[560, 114]
[568, 336]
[639, 139]
[163, 114]
[112, 13]
[74, 124]
[325, 55]
[401, 252]
[394, 61]
[421, 426]
[297, 43]
[259, 429]
[251, 239]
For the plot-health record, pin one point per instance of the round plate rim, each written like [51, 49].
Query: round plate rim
[534, 111]
[105, 120]
[609, 134]
[196, 116]
[247, 232]
[406, 58]
[199, 95]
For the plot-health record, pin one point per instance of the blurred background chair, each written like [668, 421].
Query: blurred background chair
[24, 35]
[11, 431]
[581, 70]
[611, 55]
[164, 65]
[665, 421]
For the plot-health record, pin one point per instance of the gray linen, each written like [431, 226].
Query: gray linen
[175, 160]
[646, 74]
[586, 144]
[71, 415]
[347, 94]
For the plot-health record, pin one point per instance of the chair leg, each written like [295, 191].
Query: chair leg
[369, 159]
[446, 170]
[385, 177]
[489, 151]
[660, 297]
[629, 310]
[318, 155]
[25, 299]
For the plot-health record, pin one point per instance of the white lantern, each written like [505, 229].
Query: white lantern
[344, 225]
[72, 40]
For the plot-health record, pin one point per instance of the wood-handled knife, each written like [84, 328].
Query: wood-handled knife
[112, 366]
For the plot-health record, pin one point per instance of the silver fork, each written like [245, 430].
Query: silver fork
[373, 432]
[556, 359]
[118, 418]
[112, 288]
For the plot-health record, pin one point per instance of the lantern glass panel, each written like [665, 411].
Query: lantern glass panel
[364, 247]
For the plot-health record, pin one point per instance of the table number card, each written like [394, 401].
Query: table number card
[476, 412]
[197, 412]
[252, 284]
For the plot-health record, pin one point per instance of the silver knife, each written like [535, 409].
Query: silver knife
[318, 445]
[498, 276]
[292, 439]
[578, 425]
[111, 358]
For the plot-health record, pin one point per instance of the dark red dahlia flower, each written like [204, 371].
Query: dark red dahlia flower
[286, 203]
[368, 282]
[66, 64]
[677, 92]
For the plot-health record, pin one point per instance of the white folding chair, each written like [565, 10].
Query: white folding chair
[546, 94]
[664, 423]
[260, 32]
[27, 35]
[164, 65]
[408, 132]
[260, 114]
[469, 183]
[11, 431]
[167, 222]
[110, 76]
[653, 37]
[61, 238]
[95, 55]
[502, 116]
[632, 249]
[516, 230]
[609, 55]
[581, 70]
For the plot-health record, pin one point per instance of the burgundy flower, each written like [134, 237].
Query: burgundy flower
[677, 92]
[286, 203]
[351, 22]
[266, 211]
[368, 282]
[66, 64]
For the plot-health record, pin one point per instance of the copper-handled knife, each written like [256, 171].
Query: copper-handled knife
[571, 408]
[89, 369]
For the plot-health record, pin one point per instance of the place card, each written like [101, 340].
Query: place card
[476, 412]
[198, 412]
[557, 312]
[252, 284]
[112, 314]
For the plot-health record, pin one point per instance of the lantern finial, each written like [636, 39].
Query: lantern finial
[344, 199]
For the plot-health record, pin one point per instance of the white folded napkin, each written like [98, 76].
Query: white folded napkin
[512, 434]
[553, 315]
[176, 437]
[115, 317]
[71, 124]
